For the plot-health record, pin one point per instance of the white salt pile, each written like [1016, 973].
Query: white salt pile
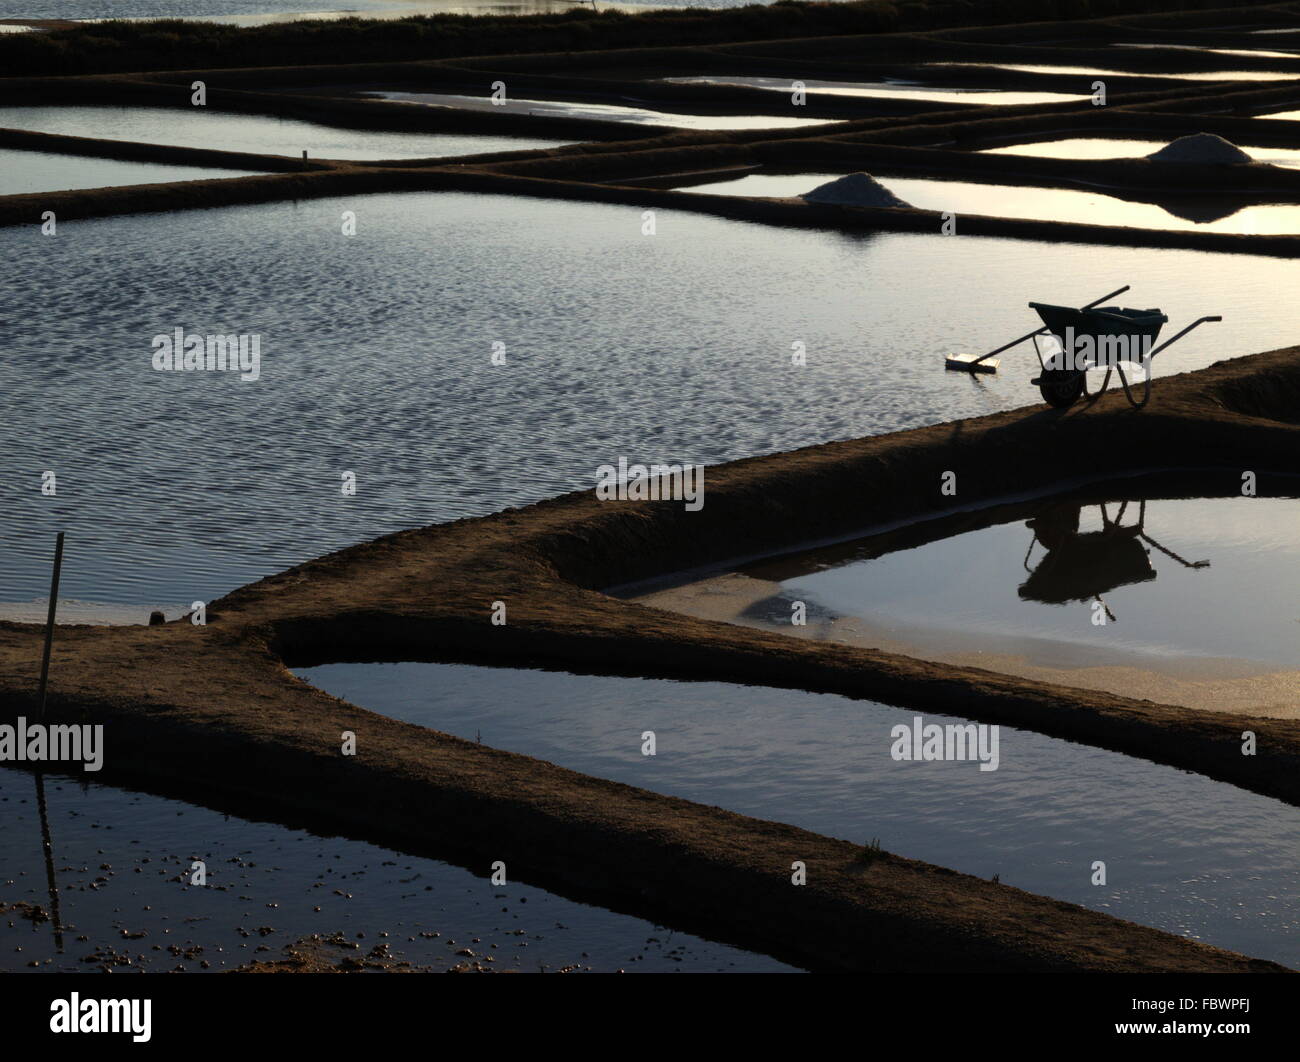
[857, 189]
[1203, 148]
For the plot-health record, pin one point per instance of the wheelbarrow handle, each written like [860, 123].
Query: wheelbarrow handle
[1199, 321]
[1098, 302]
[1043, 328]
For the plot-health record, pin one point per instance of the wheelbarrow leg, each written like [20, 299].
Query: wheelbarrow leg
[1092, 396]
[1128, 390]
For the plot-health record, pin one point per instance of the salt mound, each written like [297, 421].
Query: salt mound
[857, 189]
[1204, 148]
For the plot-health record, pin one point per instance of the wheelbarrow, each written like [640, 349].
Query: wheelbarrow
[1075, 341]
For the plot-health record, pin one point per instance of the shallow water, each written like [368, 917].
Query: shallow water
[1253, 52]
[123, 866]
[259, 134]
[604, 112]
[1043, 204]
[1094, 208]
[1080, 147]
[1087, 71]
[1228, 592]
[898, 90]
[376, 358]
[1182, 853]
[40, 171]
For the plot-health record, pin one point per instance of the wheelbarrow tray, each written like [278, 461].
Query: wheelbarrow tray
[1101, 321]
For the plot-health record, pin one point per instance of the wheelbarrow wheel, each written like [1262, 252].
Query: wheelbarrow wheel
[1060, 388]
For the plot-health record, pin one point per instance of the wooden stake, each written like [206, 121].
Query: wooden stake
[49, 622]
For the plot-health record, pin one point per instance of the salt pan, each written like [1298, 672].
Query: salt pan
[1203, 148]
[856, 189]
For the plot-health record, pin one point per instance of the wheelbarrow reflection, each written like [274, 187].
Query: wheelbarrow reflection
[1083, 565]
